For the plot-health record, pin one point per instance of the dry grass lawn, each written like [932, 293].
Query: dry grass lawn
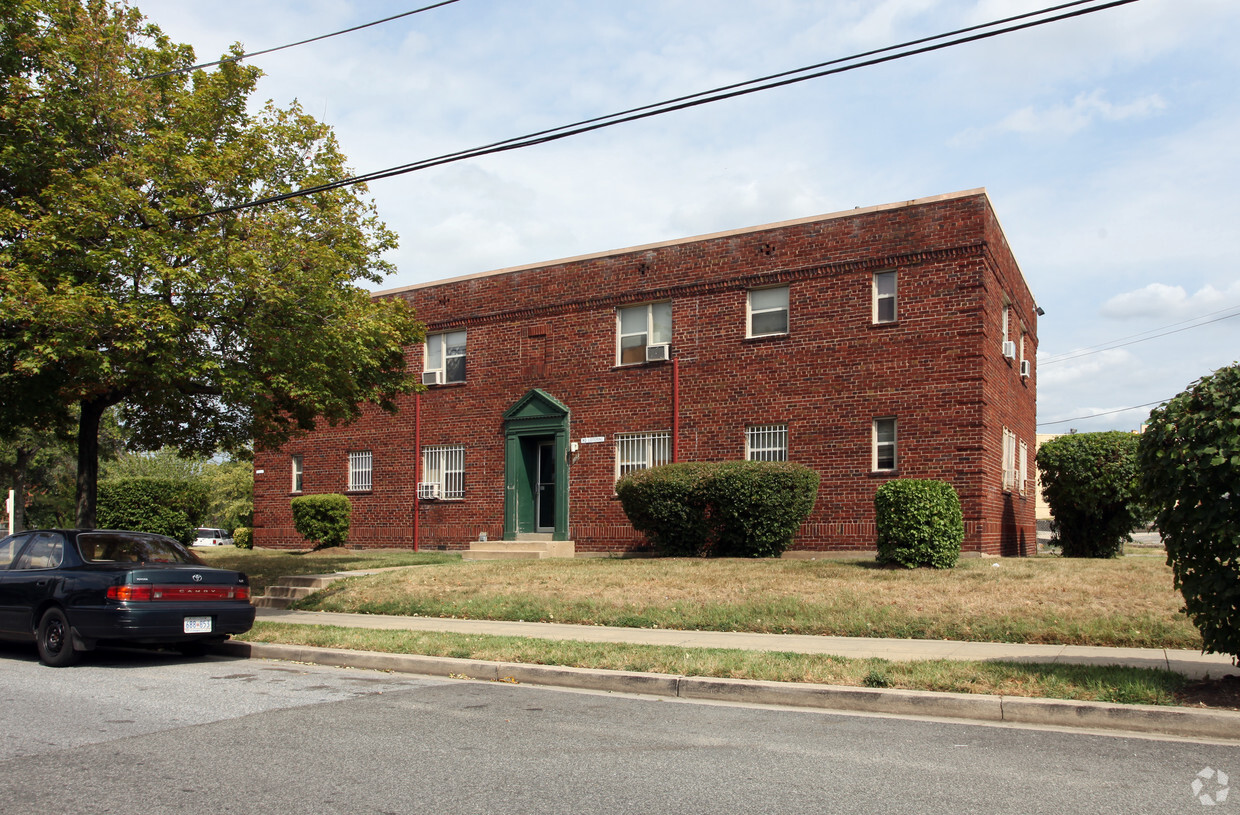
[1124, 602]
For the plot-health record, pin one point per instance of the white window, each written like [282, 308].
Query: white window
[766, 442]
[1009, 460]
[359, 470]
[884, 445]
[445, 353]
[768, 311]
[884, 297]
[1022, 476]
[296, 462]
[639, 326]
[640, 451]
[444, 466]
[1006, 317]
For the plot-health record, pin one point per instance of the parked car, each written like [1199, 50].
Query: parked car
[70, 589]
[208, 536]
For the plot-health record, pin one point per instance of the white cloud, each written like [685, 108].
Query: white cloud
[1064, 119]
[1164, 302]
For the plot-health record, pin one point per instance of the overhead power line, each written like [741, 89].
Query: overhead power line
[1116, 344]
[1103, 413]
[831, 67]
[299, 42]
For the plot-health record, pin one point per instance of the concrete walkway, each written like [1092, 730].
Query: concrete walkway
[1189, 663]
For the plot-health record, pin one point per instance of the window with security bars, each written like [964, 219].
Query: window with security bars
[767, 442]
[640, 451]
[359, 470]
[444, 466]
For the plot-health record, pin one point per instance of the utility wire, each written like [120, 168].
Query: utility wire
[295, 44]
[1103, 413]
[1065, 358]
[869, 58]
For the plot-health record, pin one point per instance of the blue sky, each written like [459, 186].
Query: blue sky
[1109, 144]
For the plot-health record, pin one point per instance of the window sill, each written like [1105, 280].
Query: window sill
[768, 337]
[888, 324]
[628, 366]
[359, 492]
[460, 384]
[884, 473]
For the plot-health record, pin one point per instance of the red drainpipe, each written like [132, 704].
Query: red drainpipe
[417, 461]
[675, 409]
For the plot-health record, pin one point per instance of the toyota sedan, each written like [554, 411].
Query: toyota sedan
[70, 589]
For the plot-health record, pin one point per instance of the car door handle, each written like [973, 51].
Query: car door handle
[42, 582]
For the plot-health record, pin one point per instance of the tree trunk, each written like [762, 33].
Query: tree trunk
[88, 461]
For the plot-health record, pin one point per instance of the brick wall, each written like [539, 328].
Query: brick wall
[939, 370]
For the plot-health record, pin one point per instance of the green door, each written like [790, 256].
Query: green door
[536, 466]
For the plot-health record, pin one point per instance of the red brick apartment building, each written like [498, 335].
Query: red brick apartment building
[894, 341]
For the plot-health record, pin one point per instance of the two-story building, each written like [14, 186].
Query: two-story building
[894, 341]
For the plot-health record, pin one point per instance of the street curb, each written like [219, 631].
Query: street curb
[1169, 721]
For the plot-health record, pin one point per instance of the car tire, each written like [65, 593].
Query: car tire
[54, 639]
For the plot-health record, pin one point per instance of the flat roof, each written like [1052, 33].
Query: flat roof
[678, 241]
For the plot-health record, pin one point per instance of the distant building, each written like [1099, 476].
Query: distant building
[887, 342]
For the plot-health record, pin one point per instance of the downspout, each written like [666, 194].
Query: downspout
[675, 410]
[417, 462]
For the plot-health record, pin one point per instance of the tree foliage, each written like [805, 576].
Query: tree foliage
[1190, 465]
[1091, 482]
[212, 331]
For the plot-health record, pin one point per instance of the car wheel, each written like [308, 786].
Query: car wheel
[54, 640]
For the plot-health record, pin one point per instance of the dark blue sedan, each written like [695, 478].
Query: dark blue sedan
[70, 589]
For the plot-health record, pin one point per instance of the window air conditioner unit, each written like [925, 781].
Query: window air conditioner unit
[1009, 349]
[428, 491]
[1026, 367]
[658, 353]
[431, 377]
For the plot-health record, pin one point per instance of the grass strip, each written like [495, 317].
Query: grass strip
[1055, 681]
[1126, 602]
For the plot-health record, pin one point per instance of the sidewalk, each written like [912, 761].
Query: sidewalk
[1189, 663]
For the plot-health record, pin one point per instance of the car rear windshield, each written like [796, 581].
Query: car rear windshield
[109, 547]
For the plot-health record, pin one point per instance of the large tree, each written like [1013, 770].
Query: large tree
[211, 331]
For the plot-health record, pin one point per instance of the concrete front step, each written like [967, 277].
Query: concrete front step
[293, 587]
[519, 550]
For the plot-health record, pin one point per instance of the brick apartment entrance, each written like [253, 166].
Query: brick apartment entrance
[536, 466]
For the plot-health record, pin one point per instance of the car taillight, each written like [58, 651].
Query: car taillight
[137, 594]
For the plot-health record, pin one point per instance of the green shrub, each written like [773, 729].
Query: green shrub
[1091, 482]
[919, 523]
[757, 506]
[669, 504]
[163, 506]
[1190, 471]
[323, 520]
[720, 509]
[243, 537]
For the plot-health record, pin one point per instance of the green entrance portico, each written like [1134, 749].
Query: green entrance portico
[536, 467]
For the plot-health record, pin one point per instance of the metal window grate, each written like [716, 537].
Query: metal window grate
[360, 464]
[767, 442]
[445, 465]
[640, 451]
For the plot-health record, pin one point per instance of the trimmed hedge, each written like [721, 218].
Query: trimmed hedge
[1190, 469]
[162, 506]
[1091, 483]
[719, 509]
[323, 520]
[919, 523]
[243, 537]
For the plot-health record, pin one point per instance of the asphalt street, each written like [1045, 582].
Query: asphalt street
[151, 733]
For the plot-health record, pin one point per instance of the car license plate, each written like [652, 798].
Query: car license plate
[197, 625]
